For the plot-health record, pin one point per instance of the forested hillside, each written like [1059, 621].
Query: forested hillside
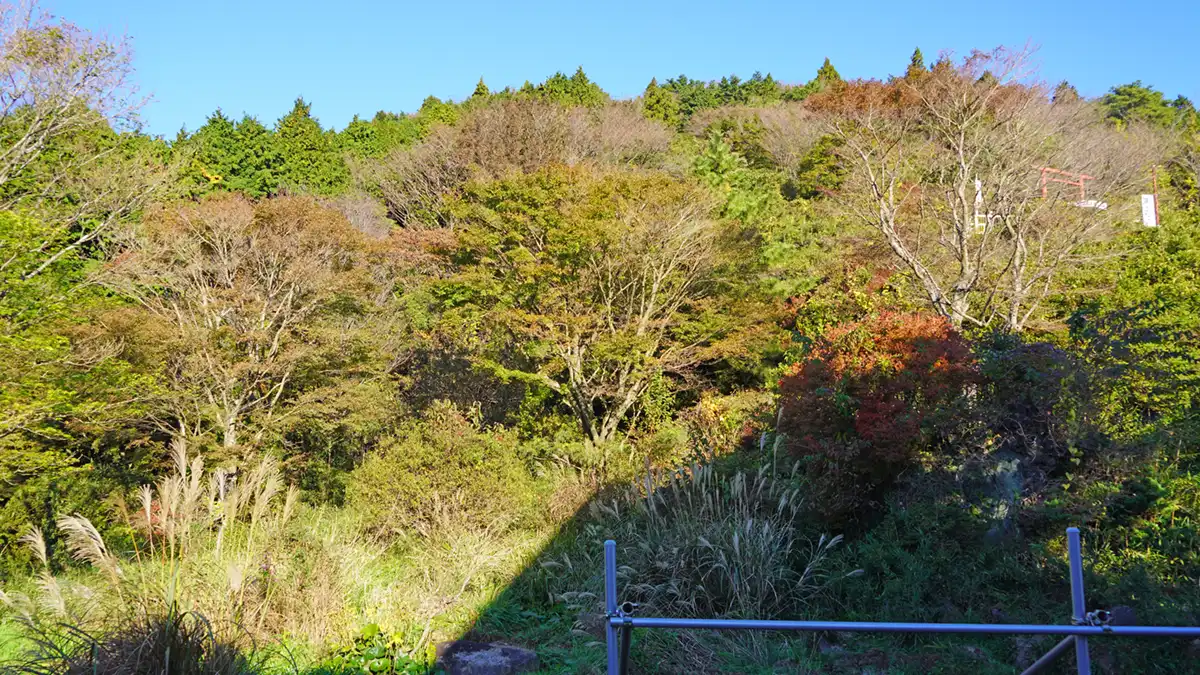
[276, 397]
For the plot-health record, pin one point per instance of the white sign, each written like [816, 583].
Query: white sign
[1149, 216]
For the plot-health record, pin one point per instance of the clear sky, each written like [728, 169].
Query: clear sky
[357, 56]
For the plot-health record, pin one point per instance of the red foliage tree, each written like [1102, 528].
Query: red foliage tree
[869, 397]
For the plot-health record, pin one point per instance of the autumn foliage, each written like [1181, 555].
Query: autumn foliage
[870, 397]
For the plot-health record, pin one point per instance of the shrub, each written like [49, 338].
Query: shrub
[1149, 358]
[705, 543]
[372, 651]
[442, 468]
[870, 396]
[176, 643]
[506, 137]
[718, 425]
[1035, 394]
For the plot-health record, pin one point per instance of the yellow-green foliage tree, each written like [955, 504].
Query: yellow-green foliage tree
[603, 281]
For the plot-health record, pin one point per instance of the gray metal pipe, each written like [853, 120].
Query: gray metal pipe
[610, 603]
[1050, 656]
[626, 643]
[1077, 632]
[1083, 660]
[892, 627]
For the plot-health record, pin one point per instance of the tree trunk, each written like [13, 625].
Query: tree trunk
[230, 435]
[960, 304]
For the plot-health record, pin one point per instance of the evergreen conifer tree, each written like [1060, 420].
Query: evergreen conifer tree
[660, 104]
[1065, 92]
[916, 65]
[827, 74]
[258, 159]
[311, 161]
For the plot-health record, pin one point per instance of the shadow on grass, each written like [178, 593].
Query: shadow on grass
[925, 561]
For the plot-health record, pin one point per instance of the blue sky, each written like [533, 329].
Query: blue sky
[355, 56]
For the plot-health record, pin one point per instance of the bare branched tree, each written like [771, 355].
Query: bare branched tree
[412, 181]
[662, 258]
[1186, 162]
[614, 134]
[502, 139]
[981, 186]
[789, 133]
[240, 289]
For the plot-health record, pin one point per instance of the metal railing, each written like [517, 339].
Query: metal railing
[1083, 624]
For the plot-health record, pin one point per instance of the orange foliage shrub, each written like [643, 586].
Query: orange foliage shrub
[869, 397]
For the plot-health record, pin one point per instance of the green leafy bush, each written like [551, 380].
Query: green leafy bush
[443, 468]
[373, 652]
[1144, 335]
[1036, 395]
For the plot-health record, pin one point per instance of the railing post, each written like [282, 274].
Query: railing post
[626, 643]
[610, 603]
[1050, 656]
[1083, 661]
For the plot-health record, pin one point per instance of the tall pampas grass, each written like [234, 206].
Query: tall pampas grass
[162, 603]
[697, 542]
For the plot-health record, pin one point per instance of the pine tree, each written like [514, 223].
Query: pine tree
[436, 111]
[693, 94]
[942, 65]
[1135, 101]
[311, 161]
[582, 91]
[660, 104]
[214, 160]
[828, 75]
[575, 90]
[1065, 92]
[916, 65]
[762, 89]
[360, 138]
[258, 159]
[481, 90]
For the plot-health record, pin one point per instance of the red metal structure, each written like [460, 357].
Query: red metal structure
[1056, 176]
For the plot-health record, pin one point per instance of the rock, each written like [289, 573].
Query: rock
[479, 658]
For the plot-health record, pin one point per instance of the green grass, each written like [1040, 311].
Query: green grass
[11, 641]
